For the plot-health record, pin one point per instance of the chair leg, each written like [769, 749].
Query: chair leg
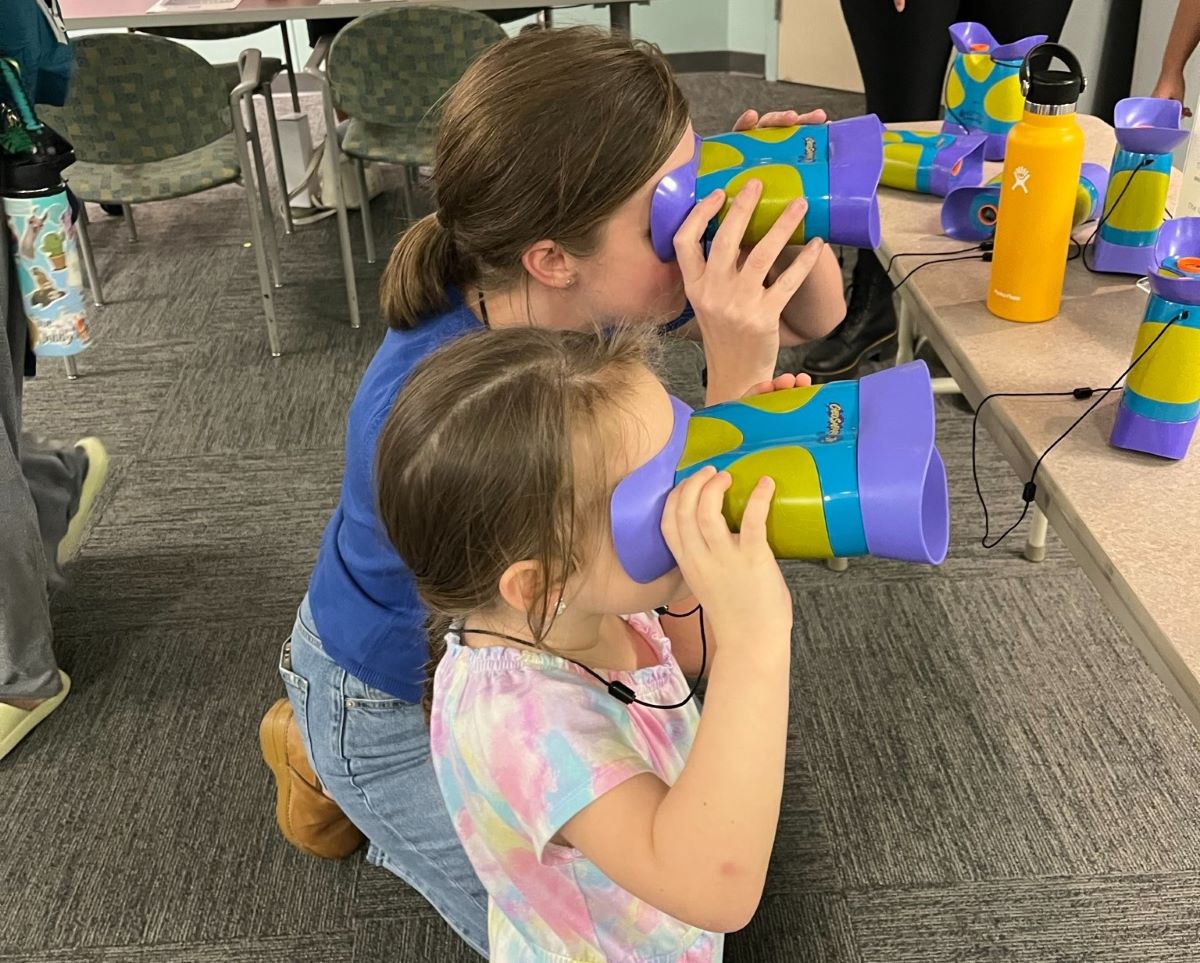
[260, 257]
[410, 176]
[277, 153]
[332, 178]
[244, 143]
[291, 71]
[368, 232]
[89, 262]
[260, 174]
[72, 370]
[127, 211]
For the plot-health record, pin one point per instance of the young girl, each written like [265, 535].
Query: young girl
[604, 829]
[549, 151]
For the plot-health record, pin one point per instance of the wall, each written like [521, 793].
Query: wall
[751, 26]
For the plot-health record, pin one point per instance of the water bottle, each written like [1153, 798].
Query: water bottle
[1038, 189]
[37, 212]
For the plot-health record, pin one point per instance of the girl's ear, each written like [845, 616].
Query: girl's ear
[521, 586]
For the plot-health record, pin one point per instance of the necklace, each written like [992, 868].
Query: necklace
[618, 690]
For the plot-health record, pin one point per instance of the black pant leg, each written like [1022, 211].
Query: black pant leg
[902, 56]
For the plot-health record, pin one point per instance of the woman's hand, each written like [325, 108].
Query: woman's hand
[737, 310]
[778, 118]
[779, 383]
[1171, 87]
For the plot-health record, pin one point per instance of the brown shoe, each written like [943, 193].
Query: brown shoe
[308, 819]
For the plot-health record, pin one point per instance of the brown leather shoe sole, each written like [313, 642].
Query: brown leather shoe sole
[308, 819]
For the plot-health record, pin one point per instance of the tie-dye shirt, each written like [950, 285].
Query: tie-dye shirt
[522, 741]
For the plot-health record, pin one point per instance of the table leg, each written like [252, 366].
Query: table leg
[1035, 543]
[618, 17]
[904, 332]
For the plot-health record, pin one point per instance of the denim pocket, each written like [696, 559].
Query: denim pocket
[358, 695]
[297, 688]
[297, 685]
[379, 730]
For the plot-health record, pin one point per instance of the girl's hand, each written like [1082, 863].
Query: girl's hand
[737, 313]
[778, 118]
[1171, 87]
[735, 576]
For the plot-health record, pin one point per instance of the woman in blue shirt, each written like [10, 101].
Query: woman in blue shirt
[548, 154]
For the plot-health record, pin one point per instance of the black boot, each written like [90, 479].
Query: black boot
[868, 330]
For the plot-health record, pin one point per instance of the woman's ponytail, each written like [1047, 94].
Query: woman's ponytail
[423, 264]
[437, 627]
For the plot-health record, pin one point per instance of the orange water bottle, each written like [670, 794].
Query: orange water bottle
[1042, 160]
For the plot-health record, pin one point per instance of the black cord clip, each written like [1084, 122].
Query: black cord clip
[621, 692]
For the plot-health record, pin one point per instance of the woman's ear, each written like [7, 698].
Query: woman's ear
[548, 264]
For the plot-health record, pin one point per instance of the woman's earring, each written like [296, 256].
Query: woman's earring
[560, 608]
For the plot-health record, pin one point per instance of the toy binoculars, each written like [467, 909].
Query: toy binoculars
[971, 213]
[854, 463]
[931, 163]
[835, 167]
[1161, 401]
[1148, 129]
[983, 90]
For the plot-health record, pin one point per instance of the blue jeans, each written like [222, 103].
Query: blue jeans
[371, 751]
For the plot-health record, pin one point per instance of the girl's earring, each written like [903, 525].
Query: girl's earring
[560, 608]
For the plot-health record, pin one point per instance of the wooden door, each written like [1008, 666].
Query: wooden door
[814, 45]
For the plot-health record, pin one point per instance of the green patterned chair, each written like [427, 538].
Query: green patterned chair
[272, 67]
[151, 120]
[387, 72]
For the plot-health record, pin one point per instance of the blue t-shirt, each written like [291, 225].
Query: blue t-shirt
[363, 597]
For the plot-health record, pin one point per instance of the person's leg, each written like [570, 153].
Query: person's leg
[55, 478]
[371, 753]
[28, 672]
[326, 27]
[1011, 20]
[902, 56]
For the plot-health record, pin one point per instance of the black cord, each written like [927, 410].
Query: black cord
[619, 690]
[1145, 162]
[962, 250]
[985, 256]
[1029, 491]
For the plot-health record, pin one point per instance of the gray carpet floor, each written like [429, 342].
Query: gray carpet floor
[981, 766]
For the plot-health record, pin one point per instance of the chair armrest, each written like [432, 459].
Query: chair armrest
[317, 58]
[250, 69]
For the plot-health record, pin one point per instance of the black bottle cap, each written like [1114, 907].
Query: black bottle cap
[1051, 88]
